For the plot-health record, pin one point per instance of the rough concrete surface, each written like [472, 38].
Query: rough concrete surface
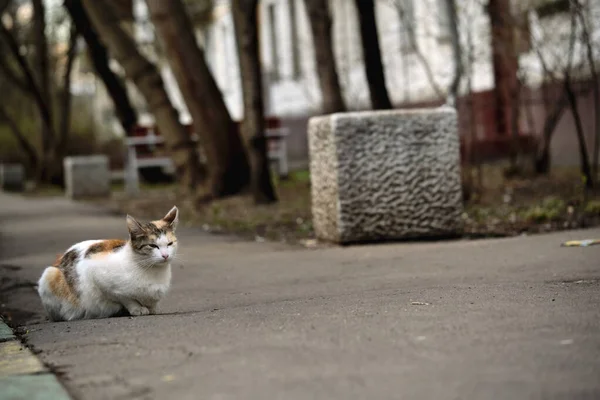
[87, 176]
[497, 319]
[381, 175]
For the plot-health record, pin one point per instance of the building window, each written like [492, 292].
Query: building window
[271, 10]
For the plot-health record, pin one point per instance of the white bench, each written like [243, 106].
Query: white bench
[276, 149]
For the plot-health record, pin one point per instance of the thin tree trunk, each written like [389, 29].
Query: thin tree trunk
[572, 98]
[31, 88]
[504, 61]
[228, 167]
[320, 24]
[27, 147]
[515, 107]
[542, 158]
[405, 20]
[98, 54]
[456, 53]
[380, 100]
[583, 154]
[148, 80]
[253, 125]
[595, 92]
[475, 159]
[45, 87]
[65, 121]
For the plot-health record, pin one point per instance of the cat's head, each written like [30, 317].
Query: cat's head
[155, 241]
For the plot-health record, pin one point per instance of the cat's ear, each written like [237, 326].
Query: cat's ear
[172, 218]
[134, 227]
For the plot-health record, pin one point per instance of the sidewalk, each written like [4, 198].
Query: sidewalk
[22, 375]
[502, 319]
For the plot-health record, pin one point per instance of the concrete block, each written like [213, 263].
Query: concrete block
[87, 176]
[12, 177]
[385, 175]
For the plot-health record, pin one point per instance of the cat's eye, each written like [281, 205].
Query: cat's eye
[170, 244]
[153, 246]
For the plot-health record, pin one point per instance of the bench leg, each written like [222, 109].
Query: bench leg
[132, 179]
[283, 161]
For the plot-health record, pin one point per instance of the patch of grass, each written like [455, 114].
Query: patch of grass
[287, 220]
[550, 209]
[593, 207]
[506, 207]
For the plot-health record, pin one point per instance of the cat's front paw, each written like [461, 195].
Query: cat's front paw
[138, 310]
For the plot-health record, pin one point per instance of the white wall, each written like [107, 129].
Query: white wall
[407, 81]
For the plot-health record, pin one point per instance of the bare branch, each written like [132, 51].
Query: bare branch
[13, 77]
[416, 50]
[27, 147]
[3, 5]
[572, 98]
[37, 95]
[587, 40]
[100, 60]
[456, 52]
[66, 95]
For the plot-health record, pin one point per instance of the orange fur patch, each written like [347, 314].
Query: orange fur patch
[160, 224]
[59, 286]
[104, 247]
[171, 236]
[57, 261]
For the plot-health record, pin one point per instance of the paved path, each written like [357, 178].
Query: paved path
[501, 319]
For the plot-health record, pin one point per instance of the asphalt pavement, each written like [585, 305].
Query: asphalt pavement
[514, 318]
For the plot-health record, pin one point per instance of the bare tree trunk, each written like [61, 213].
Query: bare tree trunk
[27, 147]
[253, 125]
[542, 158]
[380, 99]
[114, 85]
[65, 121]
[44, 85]
[515, 108]
[474, 158]
[320, 24]
[572, 98]
[405, 20]
[29, 85]
[456, 52]
[504, 61]
[595, 92]
[228, 167]
[148, 80]
[583, 154]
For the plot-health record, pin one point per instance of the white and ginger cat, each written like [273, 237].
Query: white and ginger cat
[104, 278]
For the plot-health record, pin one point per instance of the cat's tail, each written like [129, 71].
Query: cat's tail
[59, 300]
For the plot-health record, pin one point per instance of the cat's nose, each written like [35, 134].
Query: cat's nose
[165, 256]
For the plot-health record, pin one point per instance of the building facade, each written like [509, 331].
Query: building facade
[416, 53]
